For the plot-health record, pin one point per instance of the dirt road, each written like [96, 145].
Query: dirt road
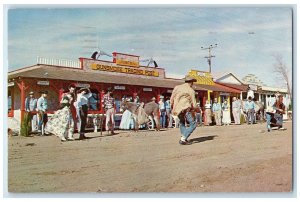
[221, 159]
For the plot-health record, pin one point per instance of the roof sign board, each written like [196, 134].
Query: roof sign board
[106, 67]
[127, 70]
[126, 60]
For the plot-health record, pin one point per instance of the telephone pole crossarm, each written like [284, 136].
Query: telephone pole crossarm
[209, 54]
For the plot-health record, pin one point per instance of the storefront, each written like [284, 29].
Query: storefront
[212, 89]
[98, 75]
[124, 75]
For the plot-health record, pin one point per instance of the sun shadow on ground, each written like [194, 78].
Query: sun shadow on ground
[103, 135]
[202, 139]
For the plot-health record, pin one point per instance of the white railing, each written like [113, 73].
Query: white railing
[58, 62]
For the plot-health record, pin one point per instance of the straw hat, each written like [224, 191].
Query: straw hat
[189, 79]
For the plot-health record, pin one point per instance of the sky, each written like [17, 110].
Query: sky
[247, 37]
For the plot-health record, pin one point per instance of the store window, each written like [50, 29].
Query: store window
[94, 100]
[223, 98]
[10, 103]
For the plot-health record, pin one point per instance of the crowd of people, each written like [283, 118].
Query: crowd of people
[176, 111]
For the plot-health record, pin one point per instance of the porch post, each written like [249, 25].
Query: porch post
[101, 99]
[208, 95]
[23, 96]
[219, 97]
[157, 97]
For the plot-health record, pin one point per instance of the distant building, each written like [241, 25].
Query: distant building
[230, 80]
[252, 79]
[262, 92]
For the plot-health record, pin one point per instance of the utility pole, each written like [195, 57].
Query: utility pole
[209, 54]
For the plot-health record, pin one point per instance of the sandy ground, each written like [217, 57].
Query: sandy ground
[242, 158]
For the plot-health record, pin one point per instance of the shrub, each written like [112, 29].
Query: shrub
[26, 124]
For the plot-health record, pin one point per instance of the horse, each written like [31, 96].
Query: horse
[143, 113]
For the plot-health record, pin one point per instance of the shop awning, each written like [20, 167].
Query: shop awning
[243, 88]
[220, 88]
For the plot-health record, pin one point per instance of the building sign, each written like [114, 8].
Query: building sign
[147, 89]
[108, 68]
[126, 60]
[203, 78]
[226, 94]
[11, 84]
[82, 85]
[126, 70]
[43, 83]
[253, 87]
[119, 87]
[201, 74]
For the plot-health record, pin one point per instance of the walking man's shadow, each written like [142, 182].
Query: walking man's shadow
[202, 139]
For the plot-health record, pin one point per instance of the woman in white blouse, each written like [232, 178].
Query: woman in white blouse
[207, 113]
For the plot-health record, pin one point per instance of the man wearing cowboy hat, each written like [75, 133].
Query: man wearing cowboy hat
[183, 101]
[42, 107]
[30, 107]
[162, 111]
[82, 109]
[108, 103]
[30, 102]
[168, 112]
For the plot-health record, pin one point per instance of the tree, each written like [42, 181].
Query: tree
[282, 72]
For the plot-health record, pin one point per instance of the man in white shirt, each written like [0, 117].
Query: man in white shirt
[42, 107]
[162, 111]
[82, 109]
[236, 110]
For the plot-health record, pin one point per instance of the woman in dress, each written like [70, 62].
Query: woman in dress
[61, 123]
[226, 119]
[207, 113]
[127, 119]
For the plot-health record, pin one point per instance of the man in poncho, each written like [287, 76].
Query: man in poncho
[183, 102]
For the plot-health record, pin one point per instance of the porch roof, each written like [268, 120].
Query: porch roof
[74, 74]
[243, 87]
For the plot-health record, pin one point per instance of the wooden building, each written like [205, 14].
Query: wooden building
[124, 74]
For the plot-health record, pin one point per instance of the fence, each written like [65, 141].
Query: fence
[58, 62]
